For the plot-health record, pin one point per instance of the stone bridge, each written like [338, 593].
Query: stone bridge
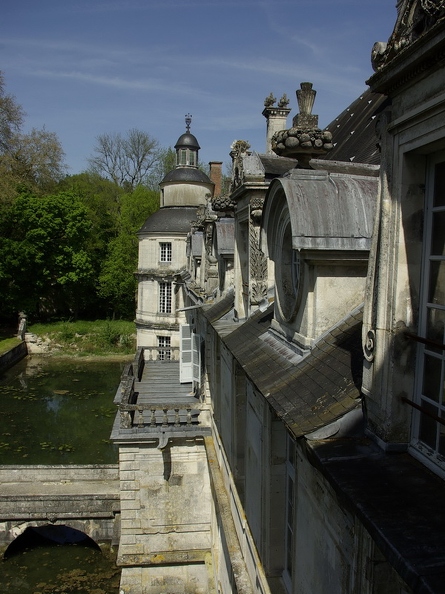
[85, 497]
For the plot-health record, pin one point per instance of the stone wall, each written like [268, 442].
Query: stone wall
[13, 356]
[82, 497]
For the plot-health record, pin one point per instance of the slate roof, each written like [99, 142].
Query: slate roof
[187, 140]
[186, 174]
[306, 394]
[169, 219]
[216, 311]
[353, 131]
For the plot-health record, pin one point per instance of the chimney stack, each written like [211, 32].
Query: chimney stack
[216, 176]
[276, 116]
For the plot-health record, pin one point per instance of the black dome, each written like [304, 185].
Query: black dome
[186, 174]
[187, 140]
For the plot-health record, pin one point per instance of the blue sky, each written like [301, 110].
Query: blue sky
[87, 67]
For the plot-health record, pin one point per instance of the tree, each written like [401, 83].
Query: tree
[117, 282]
[11, 117]
[166, 162]
[127, 161]
[45, 267]
[34, 161]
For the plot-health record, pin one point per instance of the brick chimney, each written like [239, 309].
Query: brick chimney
[216, 176]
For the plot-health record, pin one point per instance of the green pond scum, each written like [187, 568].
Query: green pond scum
[57, 411]
[67, 569]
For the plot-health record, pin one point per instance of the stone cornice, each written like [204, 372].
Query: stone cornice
[411, 63]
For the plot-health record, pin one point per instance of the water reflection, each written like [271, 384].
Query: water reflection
[57, 411]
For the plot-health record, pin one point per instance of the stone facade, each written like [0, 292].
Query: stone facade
[322, 349]
[162, 253]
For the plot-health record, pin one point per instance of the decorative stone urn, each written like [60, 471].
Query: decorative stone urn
[304, 140]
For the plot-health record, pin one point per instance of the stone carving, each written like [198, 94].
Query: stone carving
[304, 140]
[369, 345]
[414, 18]
[22, 325]
[222, 203]
[269, 101]
[239, 149]
[258, 268]
[283, 102]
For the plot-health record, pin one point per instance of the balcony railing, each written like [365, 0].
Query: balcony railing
[156, 412]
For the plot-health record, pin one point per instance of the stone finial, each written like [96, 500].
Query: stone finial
[306, 99]
[304, 140]
[269, 101]
[284, 101]
[238, 147]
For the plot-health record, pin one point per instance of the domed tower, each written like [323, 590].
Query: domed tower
[186, 185]
[162, 250]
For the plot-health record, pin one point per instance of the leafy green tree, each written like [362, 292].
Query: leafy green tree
[117, 282]
[45, 268]
[102, 199]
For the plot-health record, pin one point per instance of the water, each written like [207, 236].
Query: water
[58, 411]
[67, 569]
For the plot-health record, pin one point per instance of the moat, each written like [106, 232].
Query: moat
[58, 411]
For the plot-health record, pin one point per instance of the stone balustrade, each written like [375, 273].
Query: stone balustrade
[138, 410]
[157, 415]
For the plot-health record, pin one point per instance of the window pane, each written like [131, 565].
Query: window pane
[165, 252]
[437, 234]
[164, 351]
[428, 426]
[439, 184]
[431, 377]
[290, 501]
[289, 551]
[442, 439]
[436, 292]
[165, 297]
[435, 325]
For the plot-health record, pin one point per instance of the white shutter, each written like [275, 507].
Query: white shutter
[196, 359]
[185, 359]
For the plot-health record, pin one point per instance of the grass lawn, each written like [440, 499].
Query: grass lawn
[80, 338]
[6, 344]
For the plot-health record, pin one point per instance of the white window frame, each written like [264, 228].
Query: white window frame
[165, 297]
[164, 348]
[165, 251]
[430, 447]
[189, 356]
